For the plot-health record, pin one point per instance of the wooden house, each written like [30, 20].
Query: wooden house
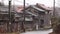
[36, 17]
[40, 17]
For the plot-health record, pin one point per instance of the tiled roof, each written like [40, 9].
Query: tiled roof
[43, 6]
[31, 13]
[5, 8]
[20, 8]
[37, 8]
[40, 7]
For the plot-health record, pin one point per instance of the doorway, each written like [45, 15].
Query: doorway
[41, 23]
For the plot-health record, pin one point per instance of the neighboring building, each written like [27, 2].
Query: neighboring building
[4, 20]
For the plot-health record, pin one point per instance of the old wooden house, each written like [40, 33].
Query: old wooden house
[38, 17]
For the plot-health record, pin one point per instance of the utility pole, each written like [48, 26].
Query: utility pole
[9, 24]
[54, 8]
[24, 17]
[53, 14]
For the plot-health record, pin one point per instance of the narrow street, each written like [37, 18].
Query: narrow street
[39, 32]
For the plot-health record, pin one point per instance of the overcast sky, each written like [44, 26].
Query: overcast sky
[48, 3]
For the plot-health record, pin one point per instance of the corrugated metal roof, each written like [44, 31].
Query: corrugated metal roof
[5, 8]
